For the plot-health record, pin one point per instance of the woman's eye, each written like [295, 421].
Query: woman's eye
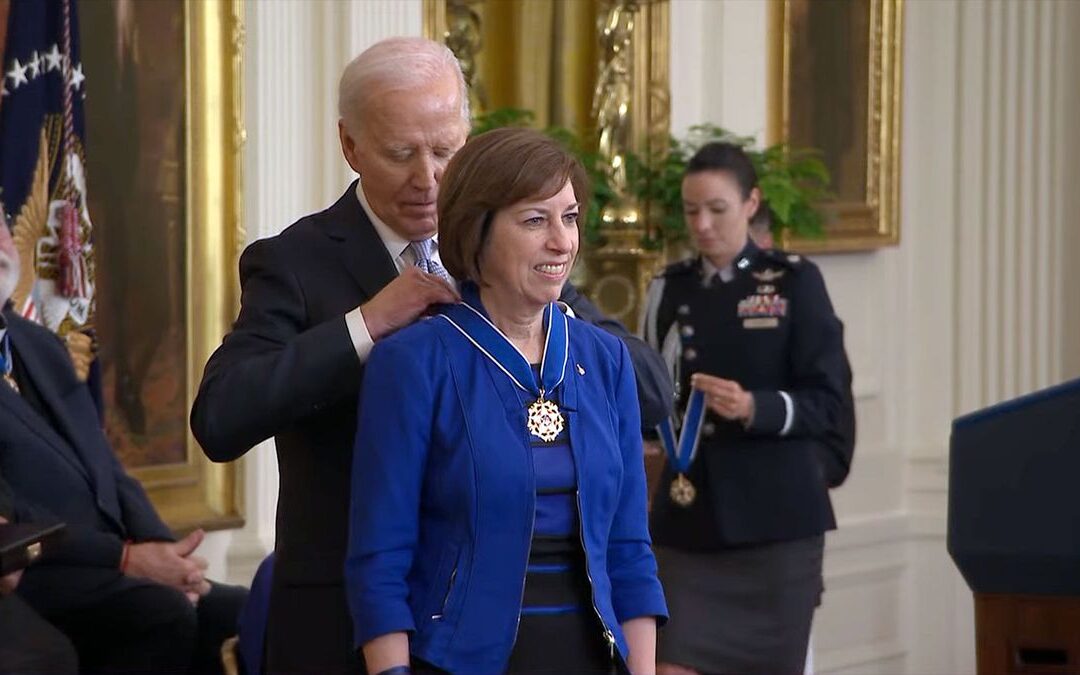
[535, 220]
[570, 218]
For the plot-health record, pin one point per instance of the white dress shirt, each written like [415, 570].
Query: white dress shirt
[398, 249]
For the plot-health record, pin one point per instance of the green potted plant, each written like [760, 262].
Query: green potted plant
[792, 180]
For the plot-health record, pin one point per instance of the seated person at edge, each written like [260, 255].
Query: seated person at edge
[498, 520]
[127, 594]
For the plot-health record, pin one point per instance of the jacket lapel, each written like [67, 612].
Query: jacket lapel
[92, 461]
[19, 408]
[362, 252]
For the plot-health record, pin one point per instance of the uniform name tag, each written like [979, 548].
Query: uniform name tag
[761, 322]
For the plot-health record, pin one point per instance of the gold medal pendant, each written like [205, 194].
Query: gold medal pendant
[545, 420]
[683, 491]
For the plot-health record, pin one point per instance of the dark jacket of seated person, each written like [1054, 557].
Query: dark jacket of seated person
[123, 600]
[28, 643]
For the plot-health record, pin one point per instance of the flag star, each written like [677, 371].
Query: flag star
[35, 65]
[77, 77]
[17, 74]
[53, 58]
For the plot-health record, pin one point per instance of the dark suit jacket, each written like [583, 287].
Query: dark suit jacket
[60, 467]
[289, 370]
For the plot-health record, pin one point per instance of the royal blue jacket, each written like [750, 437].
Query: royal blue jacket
[443, 495]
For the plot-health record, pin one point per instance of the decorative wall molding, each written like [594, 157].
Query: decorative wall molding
[1010, 207]
[885, 654]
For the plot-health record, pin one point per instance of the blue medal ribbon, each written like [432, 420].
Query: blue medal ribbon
[468, 317]
[681, 453]
[5, 355]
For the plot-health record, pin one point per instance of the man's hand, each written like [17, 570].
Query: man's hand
[171, 564]
[726, 398]
[403, 300]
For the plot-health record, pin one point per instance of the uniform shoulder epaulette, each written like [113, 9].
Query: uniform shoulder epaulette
[777, 256]
[679, 268]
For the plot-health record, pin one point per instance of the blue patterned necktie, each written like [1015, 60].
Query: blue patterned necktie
[423, 251]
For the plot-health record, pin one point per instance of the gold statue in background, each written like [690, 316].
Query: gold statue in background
[463, 37]
[611, 105]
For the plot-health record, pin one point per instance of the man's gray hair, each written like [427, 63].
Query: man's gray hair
[394, 64]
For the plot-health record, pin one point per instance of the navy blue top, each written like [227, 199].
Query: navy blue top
[556, 581]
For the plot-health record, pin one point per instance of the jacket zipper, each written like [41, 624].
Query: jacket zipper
[446, 596]
[609, 637]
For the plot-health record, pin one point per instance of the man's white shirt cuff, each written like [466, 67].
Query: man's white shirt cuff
[358, 333]
[789, 413]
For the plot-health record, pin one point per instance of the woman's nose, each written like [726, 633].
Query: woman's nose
[559, 238]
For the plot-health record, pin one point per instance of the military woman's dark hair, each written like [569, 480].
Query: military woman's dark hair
[719, 156]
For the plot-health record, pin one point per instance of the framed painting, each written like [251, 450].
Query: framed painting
[835, 85]
[164, 134]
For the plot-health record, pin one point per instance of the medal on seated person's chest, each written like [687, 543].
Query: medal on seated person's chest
[543, 417]
[6, 365]
[682, 450]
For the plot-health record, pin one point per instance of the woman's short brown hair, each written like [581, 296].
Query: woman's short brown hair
[492, 171]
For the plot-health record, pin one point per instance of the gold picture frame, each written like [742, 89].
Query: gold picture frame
[849, 67]
[200, 493]
[194, 217]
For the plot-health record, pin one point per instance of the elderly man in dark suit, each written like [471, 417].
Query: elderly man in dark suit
[315, 299]
[127, 594]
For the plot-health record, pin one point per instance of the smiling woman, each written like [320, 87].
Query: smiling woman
[518, 514]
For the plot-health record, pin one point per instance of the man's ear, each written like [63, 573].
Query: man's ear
[348, 146]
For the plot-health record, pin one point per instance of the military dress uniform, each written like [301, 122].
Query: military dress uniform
[741, 563]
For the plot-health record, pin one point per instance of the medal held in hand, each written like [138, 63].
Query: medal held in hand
[544, 419]
[681, 451]
[683, 491]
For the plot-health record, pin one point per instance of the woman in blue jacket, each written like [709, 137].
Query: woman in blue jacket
[498, 517]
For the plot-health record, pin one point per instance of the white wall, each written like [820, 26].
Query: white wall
[972, 307]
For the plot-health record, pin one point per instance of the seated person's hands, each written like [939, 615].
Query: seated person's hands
[171, 564]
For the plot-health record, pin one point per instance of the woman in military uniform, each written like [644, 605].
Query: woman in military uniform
[764, 392]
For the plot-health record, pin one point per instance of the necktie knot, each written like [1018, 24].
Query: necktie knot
[424, 251]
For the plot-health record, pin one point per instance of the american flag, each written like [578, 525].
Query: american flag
[42, 160]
